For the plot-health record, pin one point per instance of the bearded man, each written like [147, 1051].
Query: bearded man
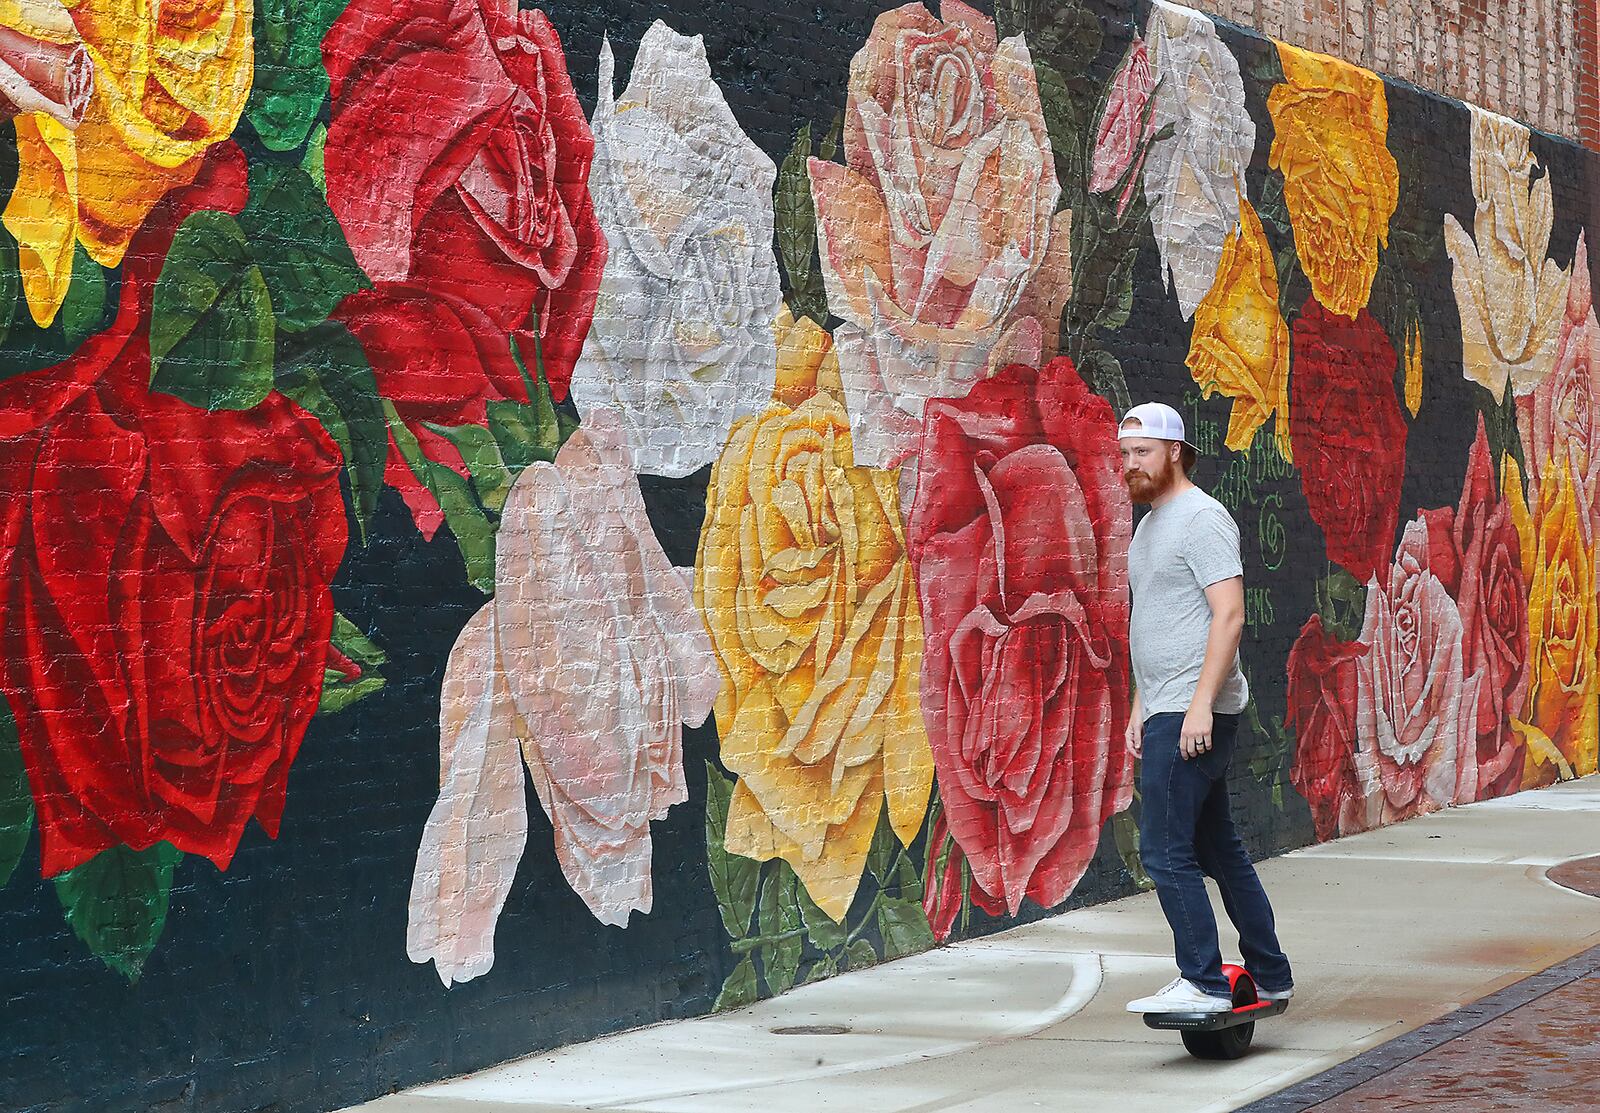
[1188, 616]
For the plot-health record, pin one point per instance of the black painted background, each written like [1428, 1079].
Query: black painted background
[283, 984]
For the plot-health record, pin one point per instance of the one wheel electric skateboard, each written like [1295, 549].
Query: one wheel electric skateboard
[1221, 1035]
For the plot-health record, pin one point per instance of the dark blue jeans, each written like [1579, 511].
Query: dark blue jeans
[1186, 834]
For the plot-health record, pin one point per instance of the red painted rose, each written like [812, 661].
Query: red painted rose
[458, 159]
[1322, 713]
[164, 571]
[1490, 588]
[1019, 536]
[1349, 436]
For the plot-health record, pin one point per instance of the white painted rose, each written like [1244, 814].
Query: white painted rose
[682, 339]
[1509, 295]
[589, 658]
[1192, 177]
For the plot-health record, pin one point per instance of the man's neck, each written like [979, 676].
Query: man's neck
[1179, 486]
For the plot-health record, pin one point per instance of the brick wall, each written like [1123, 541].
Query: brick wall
[521, 523]
[1534, 60]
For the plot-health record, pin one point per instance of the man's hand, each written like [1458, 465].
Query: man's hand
[1195, 738]
[1135, 736]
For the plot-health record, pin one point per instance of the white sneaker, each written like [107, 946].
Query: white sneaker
[1181, 996]
[1274, 994]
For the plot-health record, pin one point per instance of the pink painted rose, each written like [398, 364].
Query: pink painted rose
[1020, 537]
[1562, 414]
[1126, 126]
[1415, 737]
[941, 246]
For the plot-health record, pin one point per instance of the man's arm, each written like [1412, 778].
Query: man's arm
[1226, 599]
[1135, 733]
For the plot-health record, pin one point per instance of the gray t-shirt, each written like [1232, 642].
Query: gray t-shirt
[1178, 551]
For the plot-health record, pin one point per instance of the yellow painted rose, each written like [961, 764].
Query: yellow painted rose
[1563, 719]
[804, 584]
[1240, 344]
[170, 79]
[1340, 182]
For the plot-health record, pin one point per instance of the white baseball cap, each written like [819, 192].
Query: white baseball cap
[1157, 421]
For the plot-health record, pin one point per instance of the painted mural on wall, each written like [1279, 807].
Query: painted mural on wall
[256, 287]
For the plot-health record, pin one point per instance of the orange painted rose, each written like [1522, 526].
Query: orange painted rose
[1340, 182]
[1561, 729]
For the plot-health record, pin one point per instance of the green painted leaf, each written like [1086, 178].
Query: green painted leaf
[1060, 30]
[1265, 68]
[1104, 374]
[797, 230]
[290, 82]
[733, 877]
[859, 955]
[312, 163]
[16, 802]
[907, 885]
[473, 532]
[1118, 305]
[10, 283]
[117, 903]
[904, 927]
[211, 328]
[534, 431]
[825, 934]
[299, 246]
[1065, 122]
[778, 917]
[827, 968]
[793, 208]
[1126, 832]
[739, 990]
[325, 371]
[1342, 602]
[1011, 18]
[1512, 439]
[349, 640]
[829, 146]
[85, 304]
[339, 693]
[338, 690]
[882, 852]
[490, 477]
[524, 434]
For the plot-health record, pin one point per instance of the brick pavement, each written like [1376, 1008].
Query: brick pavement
[1534, 1045]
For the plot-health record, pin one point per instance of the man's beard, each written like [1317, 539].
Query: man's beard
[1144, 488]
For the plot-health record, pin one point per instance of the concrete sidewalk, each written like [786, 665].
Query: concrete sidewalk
[1387, 931]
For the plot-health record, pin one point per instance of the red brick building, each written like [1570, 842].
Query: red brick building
[1534, 60]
